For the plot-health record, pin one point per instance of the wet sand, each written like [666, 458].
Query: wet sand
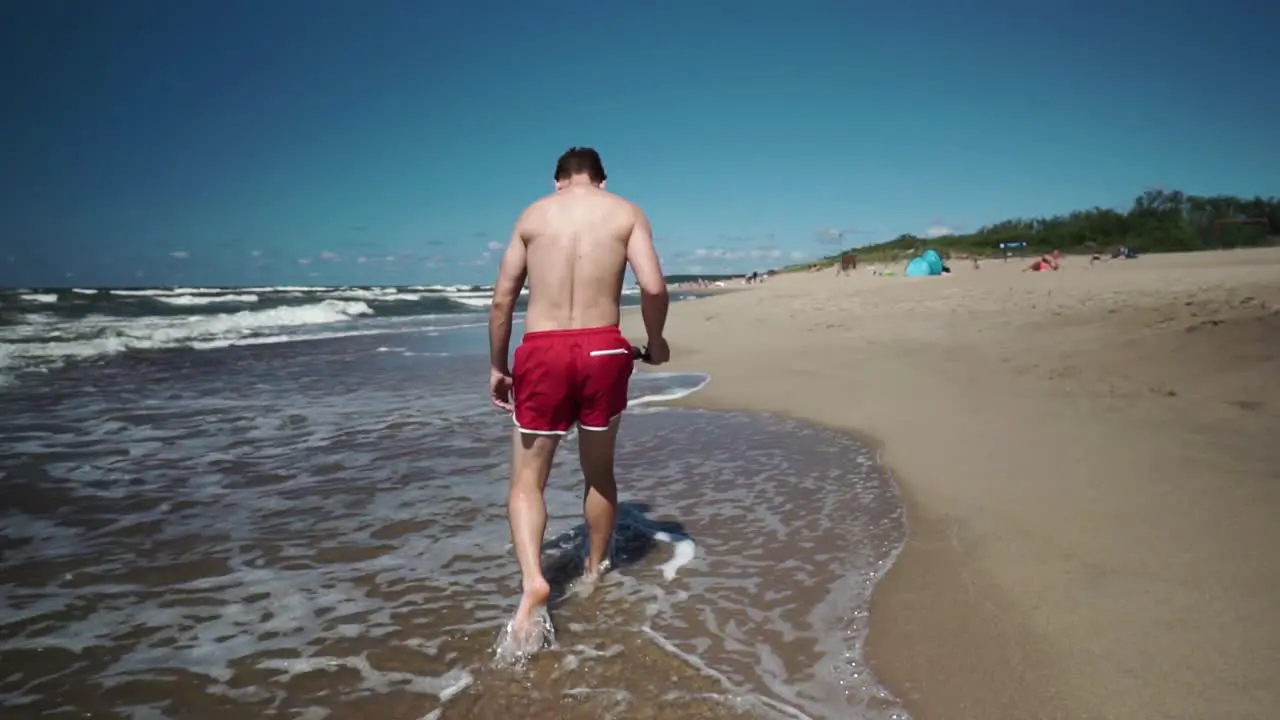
[1090, 461]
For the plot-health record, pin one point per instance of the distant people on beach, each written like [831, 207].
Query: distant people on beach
[848, 263]
[1122, 252]
[699, 283]
[754, 278]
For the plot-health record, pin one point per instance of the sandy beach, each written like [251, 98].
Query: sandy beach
[1090, 460]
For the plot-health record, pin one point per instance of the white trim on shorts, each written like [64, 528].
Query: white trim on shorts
[527, 431]
[593, 428]
[614, 351]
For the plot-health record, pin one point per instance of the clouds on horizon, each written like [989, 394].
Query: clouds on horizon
[472, 259]
[730, 260]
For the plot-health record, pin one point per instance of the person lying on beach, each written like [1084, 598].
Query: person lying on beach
[573, 364]
[1051, 261]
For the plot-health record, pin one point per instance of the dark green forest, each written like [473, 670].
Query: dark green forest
[1158, 221]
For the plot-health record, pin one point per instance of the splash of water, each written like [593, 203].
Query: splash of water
[513, 649]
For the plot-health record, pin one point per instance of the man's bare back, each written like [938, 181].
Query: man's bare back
[573, 248]
[573, 365]
[576, 252]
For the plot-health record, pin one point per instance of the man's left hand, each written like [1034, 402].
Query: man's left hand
[500, 390]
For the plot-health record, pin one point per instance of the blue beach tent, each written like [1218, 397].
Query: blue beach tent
[918, 267]
[927, 263]
[935, 261]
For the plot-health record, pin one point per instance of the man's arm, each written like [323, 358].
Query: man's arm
[511, 275]
[653, 286]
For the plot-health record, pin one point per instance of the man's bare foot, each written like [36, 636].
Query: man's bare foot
[529, 630]
[535, 598]
[591, 575]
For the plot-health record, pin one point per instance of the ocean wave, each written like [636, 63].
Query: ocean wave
[474, 302]
[181, 304]
[78, 303]
[188, 300]
[304, 289]
[42, 328]
[160, 292]
[42, 345]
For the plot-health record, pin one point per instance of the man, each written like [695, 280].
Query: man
[573, 364]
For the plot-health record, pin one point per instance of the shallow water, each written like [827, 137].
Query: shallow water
[318, 530]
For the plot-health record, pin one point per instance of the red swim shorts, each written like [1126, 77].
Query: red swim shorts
[567, 376]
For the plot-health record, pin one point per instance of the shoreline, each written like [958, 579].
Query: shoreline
[1083, 460]
[930, 544]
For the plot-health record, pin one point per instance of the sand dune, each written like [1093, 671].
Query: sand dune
[1091, 462]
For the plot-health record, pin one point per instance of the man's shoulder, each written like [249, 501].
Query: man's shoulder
[539, 204]
[622, 209]
[619, 199]
[533, 212]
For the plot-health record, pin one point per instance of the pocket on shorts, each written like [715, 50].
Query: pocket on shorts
[610, 351]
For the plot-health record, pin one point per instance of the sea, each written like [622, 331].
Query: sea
[289, 502]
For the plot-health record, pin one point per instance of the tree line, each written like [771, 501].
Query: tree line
[1158, 221]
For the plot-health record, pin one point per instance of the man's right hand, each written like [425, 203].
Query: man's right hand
[657, 351]
[500, 389]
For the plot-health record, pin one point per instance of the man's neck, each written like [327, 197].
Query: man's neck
[578, 183]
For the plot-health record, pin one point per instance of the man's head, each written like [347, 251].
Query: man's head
[580, 164]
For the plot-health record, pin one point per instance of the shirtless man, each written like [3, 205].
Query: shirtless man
[573, 364]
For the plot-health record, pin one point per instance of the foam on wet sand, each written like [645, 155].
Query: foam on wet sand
[285, 529]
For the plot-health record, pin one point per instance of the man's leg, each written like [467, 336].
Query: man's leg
[531, 457]
[600, 497]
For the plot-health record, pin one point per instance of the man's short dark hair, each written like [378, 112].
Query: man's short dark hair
[580, 161]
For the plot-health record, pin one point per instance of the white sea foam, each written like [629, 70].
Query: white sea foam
[287, 289]
[478, 302]
[378, 294]
[668, 395]
[187, 300]
[161, 292]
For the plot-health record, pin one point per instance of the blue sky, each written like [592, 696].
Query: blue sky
[291, 141]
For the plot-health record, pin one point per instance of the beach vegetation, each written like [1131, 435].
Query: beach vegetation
[1157, 221]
